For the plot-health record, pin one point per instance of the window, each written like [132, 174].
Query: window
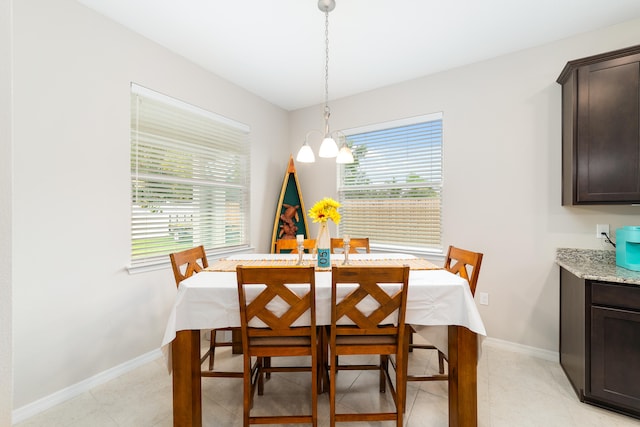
[189, 179]
[391, 193]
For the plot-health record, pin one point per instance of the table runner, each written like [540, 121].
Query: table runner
[231, 264]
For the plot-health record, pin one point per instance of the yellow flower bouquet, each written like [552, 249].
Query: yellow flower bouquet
[324, 210]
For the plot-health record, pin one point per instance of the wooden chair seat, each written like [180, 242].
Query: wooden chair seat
[281, 341]
[366, 340]
[278, 338]
[370, 334]
[185, 264]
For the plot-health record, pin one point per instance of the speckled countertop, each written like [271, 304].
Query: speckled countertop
[594, 264]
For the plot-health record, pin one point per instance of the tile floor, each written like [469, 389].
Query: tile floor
[513, 390]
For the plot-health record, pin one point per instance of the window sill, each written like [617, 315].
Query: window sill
[433, 255]
[211, 256]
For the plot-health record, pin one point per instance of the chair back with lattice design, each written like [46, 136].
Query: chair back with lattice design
[370, 310]
[357, 245]
[277, 302]
[188, 262]
[292, 245]
[465, 263]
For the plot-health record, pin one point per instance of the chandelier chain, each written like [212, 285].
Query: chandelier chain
[326, 62]
[328, 147]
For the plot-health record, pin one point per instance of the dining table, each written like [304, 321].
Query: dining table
[440, 307]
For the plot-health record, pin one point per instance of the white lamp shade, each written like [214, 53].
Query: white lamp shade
[305, 155]
[345, 155]
[328, 148]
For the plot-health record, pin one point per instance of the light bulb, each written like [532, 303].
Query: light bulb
[328, 148]
[305, 155]
[345, 155]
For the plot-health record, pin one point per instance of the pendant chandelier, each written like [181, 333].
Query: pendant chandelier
[328, 147]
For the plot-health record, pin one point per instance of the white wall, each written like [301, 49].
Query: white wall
[77, 312]
[6, 400]
[502, 169]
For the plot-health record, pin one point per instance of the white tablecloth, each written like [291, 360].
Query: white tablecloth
[436, 298]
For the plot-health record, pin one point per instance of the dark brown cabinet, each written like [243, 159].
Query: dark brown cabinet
[601, 129]
[600, 341]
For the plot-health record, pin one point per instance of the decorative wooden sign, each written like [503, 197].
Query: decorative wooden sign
[291, 216]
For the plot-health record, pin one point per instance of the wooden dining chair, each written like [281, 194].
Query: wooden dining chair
[466, 264]
[271, 329]
[292, 245]
[357, 245]
[185, 264]
[369, 320]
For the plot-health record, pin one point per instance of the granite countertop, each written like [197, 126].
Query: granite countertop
[594, 264]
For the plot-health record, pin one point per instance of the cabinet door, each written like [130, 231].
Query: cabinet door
[615, 357]
[608, 131]
[572, 329]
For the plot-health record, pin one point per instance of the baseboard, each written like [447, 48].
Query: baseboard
[72, 391]
[552, 356]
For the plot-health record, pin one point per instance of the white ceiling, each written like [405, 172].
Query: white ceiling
[275, 48]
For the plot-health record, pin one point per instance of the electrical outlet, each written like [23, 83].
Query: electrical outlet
[601, 228]
[484, 298]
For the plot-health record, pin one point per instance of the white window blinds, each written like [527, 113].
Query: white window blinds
[189, 179]
[391, 193]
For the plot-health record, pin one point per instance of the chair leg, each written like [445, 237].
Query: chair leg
[401, 385]
[267, 364]
[315, 381]
[247, 393]
[236, 341]
[332, 395]
[405, 367]
[384, 367]
[262, 363]
[212, 349]
[323, 360]
[440, 362]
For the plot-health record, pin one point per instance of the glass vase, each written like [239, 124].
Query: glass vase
[323, 243]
